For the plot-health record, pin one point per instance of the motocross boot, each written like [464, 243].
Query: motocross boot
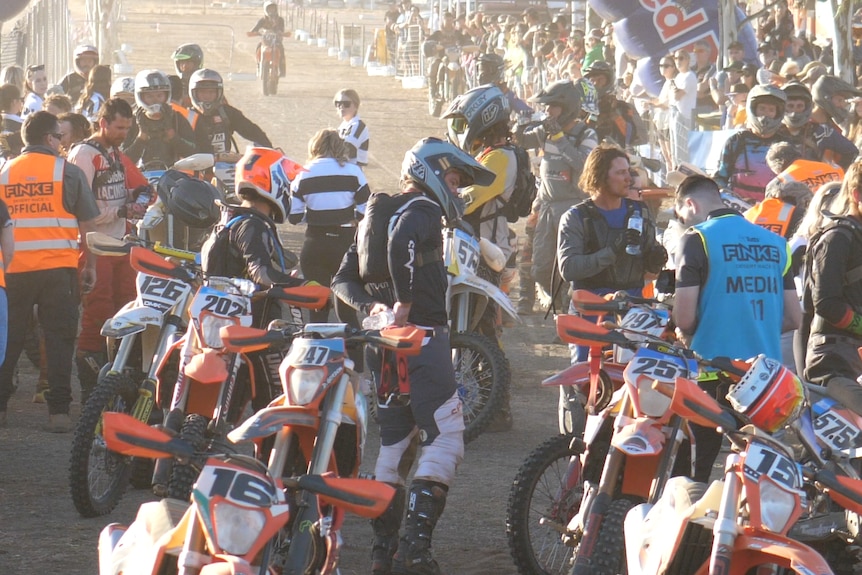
[89, 363]
[386, 529]
[426, 502]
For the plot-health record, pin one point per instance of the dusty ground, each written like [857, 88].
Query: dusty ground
[40, 532]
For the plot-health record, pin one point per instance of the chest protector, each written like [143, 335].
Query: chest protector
[750, 172]
[109, 182]
[217, 130]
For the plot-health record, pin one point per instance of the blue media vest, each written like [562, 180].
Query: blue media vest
[741, 307]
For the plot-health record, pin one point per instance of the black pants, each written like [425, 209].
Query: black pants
[320, 258]
[55, 292]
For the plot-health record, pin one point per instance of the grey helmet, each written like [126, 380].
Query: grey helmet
[152, 81]
[190, 200]
[565, 94]
[206, 78]
[471, 114]
[762, 125]
[426, 164]
[491, 68]
[798, 91]
[827, 86]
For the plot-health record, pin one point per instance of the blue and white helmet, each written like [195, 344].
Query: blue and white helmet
[426, 165]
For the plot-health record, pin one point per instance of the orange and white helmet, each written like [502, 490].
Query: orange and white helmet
[268, 173]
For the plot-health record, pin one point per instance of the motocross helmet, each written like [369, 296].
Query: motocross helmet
[825, 88]
[426, 165]
[565, 94]
[85, 50]
[152, 81]
[268, 173]
[798, 91]
[491, 68]
[599, 68]
[190, 200]
[589, 97]
[186, 53]
[471, 115]
[762, 125]
[206, 78]
[270, 8]
[769, 394]
[124, 87]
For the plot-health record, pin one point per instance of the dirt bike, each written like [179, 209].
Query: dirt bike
[628, 451]
[547, 488]
[742, 522]
[209, 398]
[451, 79]
[233, 521]
[269, 60]
[481, 368]
[140, 336]
[319, 424]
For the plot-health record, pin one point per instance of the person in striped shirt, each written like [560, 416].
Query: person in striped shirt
[352, 130]
[329, 197]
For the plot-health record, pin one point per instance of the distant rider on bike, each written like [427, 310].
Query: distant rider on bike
[271, 22]
[435, 47]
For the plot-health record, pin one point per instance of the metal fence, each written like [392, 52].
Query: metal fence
[44, 34]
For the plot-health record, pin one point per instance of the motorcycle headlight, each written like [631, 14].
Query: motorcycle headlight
[237, 528]
[303, 384]
[651, 402]
[776, 506]
[210, 326]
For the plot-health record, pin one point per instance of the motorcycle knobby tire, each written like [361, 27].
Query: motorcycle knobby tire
[483, 390]
[110, 394]
[183, 476]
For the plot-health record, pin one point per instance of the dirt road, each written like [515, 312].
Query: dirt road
[40, 531]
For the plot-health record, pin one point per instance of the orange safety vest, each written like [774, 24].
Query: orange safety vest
[812, 174]
[46, 235]
[187, 113]
[772, 214]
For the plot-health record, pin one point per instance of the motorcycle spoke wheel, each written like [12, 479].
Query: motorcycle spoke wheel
[539, 492]
[483, 375]
[99, 477]
[183, 476]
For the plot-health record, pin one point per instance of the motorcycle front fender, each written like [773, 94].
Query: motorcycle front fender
[130, 320]
[484, 288]
[759, 548]
[207, 367]
[641, 436]
[270, 420]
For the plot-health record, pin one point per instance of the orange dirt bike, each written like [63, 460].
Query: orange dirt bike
[236, 513]
[318, 424]
[211, 394]
[269, 55]
[140, 336]
[741, 523]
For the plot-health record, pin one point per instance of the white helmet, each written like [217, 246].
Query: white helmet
[123, 87]
[152, 81]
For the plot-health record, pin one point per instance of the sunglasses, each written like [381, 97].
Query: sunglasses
[36, 68]
[343, 104]
[668, 65]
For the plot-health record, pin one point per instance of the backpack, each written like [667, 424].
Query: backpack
[217, 253]
[372, 236]
[520, 203]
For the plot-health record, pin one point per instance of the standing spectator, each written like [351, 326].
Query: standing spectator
[661, 108]
[736, 113]
[728, 304]
[57, 104]
[832, 297]
[594, 47]
[46, 276]
[416, 293]
[74, 128]
[330, 198]
[352, 130]
[11, 104]
[684, 100]
[116, 184]
[35, 88]
[13, 75]
[704, 71]
[95, 92]
[595, 239]
[86, 57]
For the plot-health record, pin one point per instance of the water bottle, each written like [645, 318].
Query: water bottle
[379, 320]
[636, 222]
